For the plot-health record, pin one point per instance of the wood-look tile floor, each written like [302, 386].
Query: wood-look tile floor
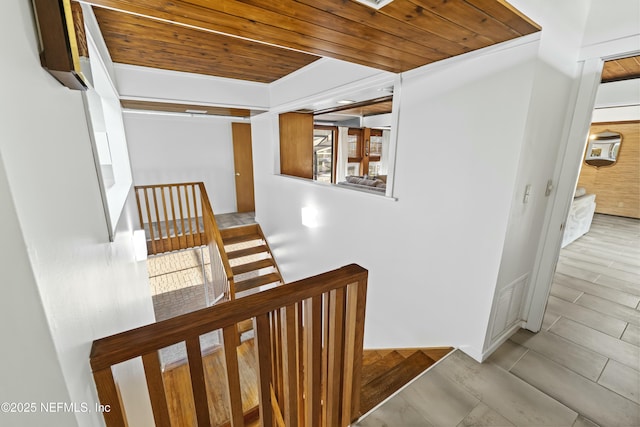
[581, 369]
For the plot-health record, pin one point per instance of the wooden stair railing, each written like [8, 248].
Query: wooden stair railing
[180, 216]
[308, 340]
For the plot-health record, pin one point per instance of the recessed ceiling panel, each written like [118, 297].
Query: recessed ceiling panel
[186, 35]
[621, 69]
[151, 43]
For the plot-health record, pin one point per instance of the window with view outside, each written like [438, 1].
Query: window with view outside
[323, 153]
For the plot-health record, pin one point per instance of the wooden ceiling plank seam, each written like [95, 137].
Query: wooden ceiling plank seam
[469, 17]
[214, 43]
[451, 34]
[249, 30]
[233, 69]
[507, 14]
[247, 12]
[380, 21]
[318, 17]
[179, 64]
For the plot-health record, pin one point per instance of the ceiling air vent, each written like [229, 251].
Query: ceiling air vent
[376, 4]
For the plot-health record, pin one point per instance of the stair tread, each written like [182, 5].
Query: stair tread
[378, 389]
[232, 240]
[247, 251]
[380, 366]
[238, 231]
[254, 282]
[252, 266]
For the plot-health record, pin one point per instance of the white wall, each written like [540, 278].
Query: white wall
[136, 82]
[459, 141]
[555, 76]
[168, 149]
[87, 287]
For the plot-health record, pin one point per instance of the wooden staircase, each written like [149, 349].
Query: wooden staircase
[252, 262]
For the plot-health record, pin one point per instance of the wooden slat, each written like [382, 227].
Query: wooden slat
[166, 220]
[155, 385]
[116, 348]
[290, 366]
[252, 266]
[248, 251]
[263, 355]
[186, 196]
[621, 69]
[233, 376]
[155, 204]
[240, 239]
[198, 384]
[277, 412]
[268, 37]
[335, 344]
[176, 239]
[108, 395]
[354, 339]
[255, 282]
[185, 235]
[313, 364]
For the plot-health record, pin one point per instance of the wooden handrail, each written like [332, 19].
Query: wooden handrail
[308, 339]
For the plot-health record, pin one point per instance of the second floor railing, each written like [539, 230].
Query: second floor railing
[308, 348]
[180, 216]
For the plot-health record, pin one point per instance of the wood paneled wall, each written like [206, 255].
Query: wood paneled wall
[617, 187]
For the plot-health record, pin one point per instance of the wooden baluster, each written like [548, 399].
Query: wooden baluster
[137, 191]
[290, 366]
[325, 356]
[302, 356]
[108, 395]
[233, 376]
[155, 385]
[195, 212]
[166, 219]
[263, 356]
[198, 385]
[158, 220]
[154, 249]
[335, 348]
[176, 238]
[186, 195]
[183, 239]
[313, 361]
[354, 339]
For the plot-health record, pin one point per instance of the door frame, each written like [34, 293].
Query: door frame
[567, 172]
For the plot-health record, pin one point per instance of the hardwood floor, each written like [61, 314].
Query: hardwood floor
[580, 370]
[386, 371]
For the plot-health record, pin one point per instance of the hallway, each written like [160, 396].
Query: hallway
[581, 369]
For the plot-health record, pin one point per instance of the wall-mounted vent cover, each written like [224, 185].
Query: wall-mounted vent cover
[376, 4]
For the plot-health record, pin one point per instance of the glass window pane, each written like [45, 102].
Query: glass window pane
[353, 146]
[323, 154]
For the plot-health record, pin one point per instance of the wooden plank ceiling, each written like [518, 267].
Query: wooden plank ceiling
[621, 69]
[207, 110]
[264, 40]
